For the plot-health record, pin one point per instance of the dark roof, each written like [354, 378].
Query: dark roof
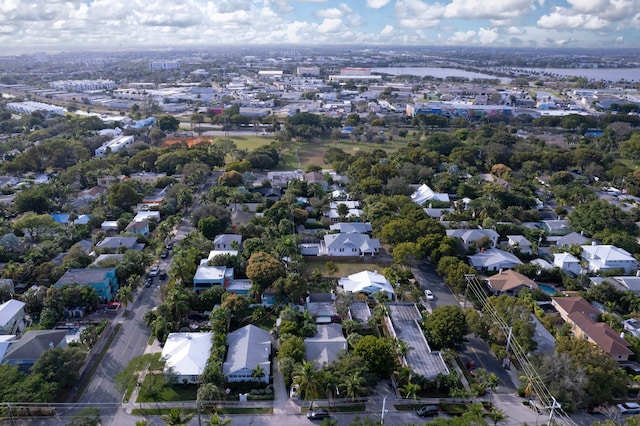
[84, 276]
[34, 343]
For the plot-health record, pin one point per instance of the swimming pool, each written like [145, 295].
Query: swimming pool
[547, 289]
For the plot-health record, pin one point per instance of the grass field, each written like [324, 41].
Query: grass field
[345, 267]
[303, 153]
[154, 389]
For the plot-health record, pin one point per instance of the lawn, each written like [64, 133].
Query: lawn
[344, 267]
[154, 389]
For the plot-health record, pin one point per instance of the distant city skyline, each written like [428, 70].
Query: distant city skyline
[52, 26]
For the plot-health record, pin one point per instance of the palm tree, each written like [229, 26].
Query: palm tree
[497, 416]
[354, 385]
[124, 296]
[176, 417]
[411, 389]
[258, 373]
[143, 422]
[216, 420]
[306, 377]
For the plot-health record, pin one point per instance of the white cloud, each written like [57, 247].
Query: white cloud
[387, 30]
[463, 37]
[515, 30]
[487, 35]
[489, 9]
[331, 25]
[377, 4]
[416, 14]
[329, 13]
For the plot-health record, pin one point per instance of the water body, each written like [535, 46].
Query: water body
[606, 74]
[437, 73]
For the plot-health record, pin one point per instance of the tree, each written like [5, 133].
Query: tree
[307, 378]
[89, 416]
[124, 196]
[292, 347]
[217, 420]
[410, 389]
[132, 372]
[446, 327]
[354, 385]
[125, 296]
[168, 123]
[258, 373]
[35, 225]
[208, 392]
[60, 365]
[176, 417]
[378, 355]
[600, 215]
[263, 270]
[496, 416]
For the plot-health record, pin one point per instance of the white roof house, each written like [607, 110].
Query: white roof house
[349, 245]
[468, 236]
[186, 355]
[367, 282]
[249, 347]
[424, 194]
[11, 316]
[567, 262]
[326, 345]
[603, 257]
[493, 260]
[227, 241]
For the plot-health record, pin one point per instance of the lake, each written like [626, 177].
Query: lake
[606, 74]
[437, 72]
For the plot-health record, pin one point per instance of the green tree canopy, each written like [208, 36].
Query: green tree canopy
[446, 327]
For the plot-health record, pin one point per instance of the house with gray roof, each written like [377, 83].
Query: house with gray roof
[326, 345]
[104, 280]
[351, 227]
[249, 347]
[116, 243]
[349, 245]
[227, 241]
[26, 351]
[493, 260]
[12, 316]
[469, 237]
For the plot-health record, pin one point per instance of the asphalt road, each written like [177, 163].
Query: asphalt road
[426, 275]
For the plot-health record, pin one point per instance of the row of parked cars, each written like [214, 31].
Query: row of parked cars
[155, 270]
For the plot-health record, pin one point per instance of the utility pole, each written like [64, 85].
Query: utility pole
[467, 277]
[384, 409]
[505, 363]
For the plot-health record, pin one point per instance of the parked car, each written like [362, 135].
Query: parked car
[164, 254]
[427, 411]
[162, 275]
[428, 294]
[629, 408]
[169, 246]
[317, 413]
[147, 282]
[154, 271]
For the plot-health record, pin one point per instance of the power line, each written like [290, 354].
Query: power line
[547, 400]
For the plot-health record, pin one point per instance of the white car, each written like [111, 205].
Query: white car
[155, 270]
[293, 393]
[629, 408]
[428, 294]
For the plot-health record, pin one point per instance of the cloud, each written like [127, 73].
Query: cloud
[331, 25]
[489, 9]
[387, 30]
[377, 4]
[329, 13]
[416, 14]
[591, 14]
[515, 30]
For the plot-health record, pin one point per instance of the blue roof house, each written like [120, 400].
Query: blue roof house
[104, 280]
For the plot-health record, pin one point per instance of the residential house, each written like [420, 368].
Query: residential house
[326, 345]
[138, 228]
[568, 263]
[249, 347]
[28, 349]
[63, 219]
[520, 243]
[572, 238]
[6, 340]
[156, 199]
[582, 317]
[423, 194]
[148, 215]
[509, 282]
[404, 323]
[113, 244]
[555, 227]
[608, 257]
[12, 317]
[147, 177]
[322, 307]
[104, 280]
[367, 282]
[471, 237]
[227, 242]
[316, 178]
[91, 194]
[186, 355]
[208, 276]
[351, 227]
[349, 245]
[493, 260]
[110, 226]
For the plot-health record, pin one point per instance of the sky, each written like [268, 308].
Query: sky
[57, 25]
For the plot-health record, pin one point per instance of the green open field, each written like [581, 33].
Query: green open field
[345, 267]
